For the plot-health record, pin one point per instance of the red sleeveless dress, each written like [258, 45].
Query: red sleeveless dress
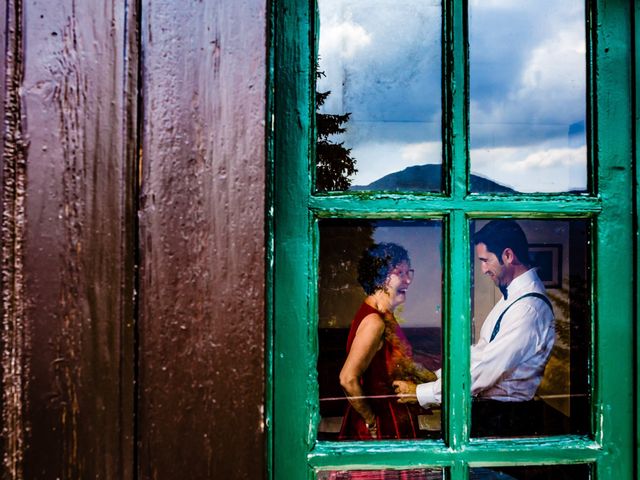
[395, 420]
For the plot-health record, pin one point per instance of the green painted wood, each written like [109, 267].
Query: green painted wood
[613, 269]
[414, 206]
[459, 470]
[296, 453]
[312, 334]
[293, 362]
[592, 180]
[636, 65]
[569, 449]
[456, 94]
[457, 332]
[270, 248]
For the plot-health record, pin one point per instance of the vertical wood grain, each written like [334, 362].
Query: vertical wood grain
[202, 240]
[14, 326]
[67, 256]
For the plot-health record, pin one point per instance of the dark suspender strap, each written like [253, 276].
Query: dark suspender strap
[496, 328]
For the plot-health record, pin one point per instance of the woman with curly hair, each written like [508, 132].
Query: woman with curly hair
[378, 351]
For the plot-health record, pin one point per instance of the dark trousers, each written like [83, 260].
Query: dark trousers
[491, 418]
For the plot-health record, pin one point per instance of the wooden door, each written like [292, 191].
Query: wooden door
[133, 271]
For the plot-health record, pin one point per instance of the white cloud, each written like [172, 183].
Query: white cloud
[343, 39]
[517, 158]
[420, 153]
[535, 168]
[556, 68]
[494, 4]
[549, 158]
[380, 58]
[382, 64]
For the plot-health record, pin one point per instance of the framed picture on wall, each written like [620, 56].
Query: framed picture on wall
[547, 257]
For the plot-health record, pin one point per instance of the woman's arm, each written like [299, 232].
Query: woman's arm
[366, 343]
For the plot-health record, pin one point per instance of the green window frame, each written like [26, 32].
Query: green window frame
[292, 394]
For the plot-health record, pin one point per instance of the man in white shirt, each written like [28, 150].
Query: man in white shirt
[508, 361]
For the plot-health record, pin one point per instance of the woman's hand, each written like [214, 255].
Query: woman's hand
[373, 428]
[406, 391]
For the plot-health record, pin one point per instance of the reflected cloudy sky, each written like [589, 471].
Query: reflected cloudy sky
[382, 64]
[527, 91]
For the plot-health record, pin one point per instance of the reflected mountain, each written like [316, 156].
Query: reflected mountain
[426, 178]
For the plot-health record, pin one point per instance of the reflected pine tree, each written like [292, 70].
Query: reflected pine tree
[334, 163]
[342, 243]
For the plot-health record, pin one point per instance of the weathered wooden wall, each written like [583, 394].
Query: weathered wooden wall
[66, 259]
[81, 325]
[202, 239]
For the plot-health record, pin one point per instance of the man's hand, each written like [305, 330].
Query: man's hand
[406, 391]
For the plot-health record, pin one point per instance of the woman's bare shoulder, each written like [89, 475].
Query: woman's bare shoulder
[372, 321]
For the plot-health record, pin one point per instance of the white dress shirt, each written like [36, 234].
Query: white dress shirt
[508, 368]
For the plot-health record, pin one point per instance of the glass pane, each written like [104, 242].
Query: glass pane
[378, 78]
[379, 322]
[531, 328]
[413, 474]
[532, 472]
[528, 96]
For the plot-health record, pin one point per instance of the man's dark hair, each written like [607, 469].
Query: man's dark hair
[376, 263]
[500, 234]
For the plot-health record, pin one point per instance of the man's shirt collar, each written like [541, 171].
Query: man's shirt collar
[519, 283]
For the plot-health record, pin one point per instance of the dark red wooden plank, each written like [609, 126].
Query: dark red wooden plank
[68, 233]
[14, 330]
[202, 240]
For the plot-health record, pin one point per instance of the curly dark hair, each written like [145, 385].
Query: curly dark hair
[376, 263]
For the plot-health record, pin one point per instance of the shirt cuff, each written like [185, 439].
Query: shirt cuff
[429, 393]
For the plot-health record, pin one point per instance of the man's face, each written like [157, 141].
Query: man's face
[491, 266]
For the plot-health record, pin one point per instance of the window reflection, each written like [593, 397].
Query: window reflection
[529, 363]
[379, 321]
[379, 80]
[388, 474]
[532, 472]
[528, 96]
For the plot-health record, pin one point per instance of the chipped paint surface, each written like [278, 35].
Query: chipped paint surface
[611, 446]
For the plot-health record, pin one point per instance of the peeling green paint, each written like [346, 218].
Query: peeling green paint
[296, 454]
[636, 97]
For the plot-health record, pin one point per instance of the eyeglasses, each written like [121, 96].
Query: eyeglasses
[404, 274]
